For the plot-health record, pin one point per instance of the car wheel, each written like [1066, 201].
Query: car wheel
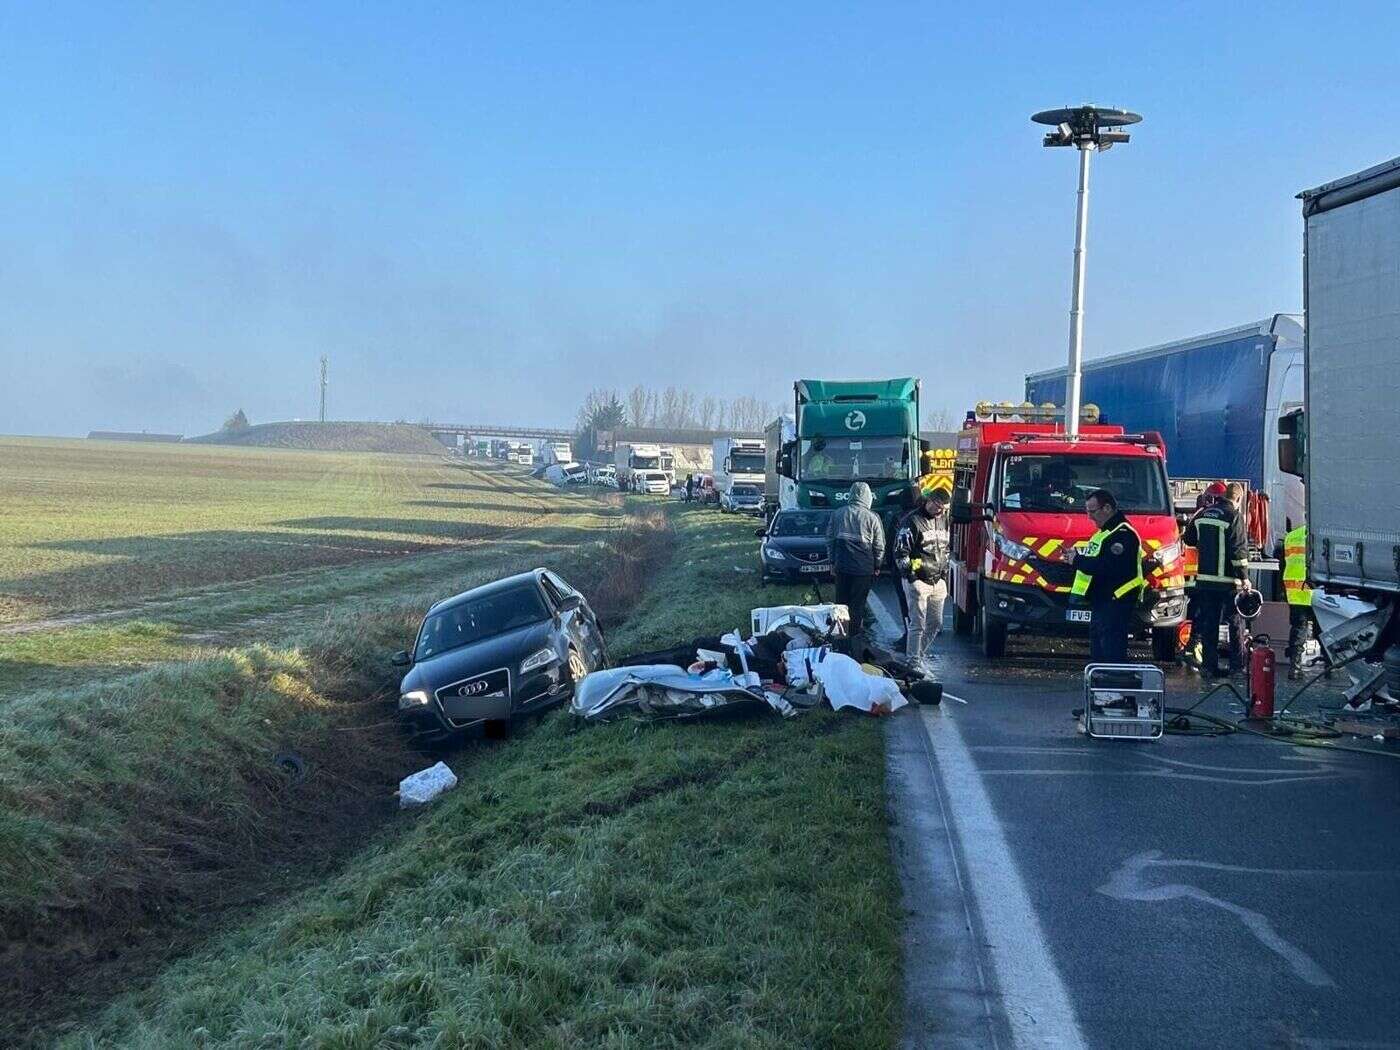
[577, 668]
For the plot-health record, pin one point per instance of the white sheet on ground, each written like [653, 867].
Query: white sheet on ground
[843, 681]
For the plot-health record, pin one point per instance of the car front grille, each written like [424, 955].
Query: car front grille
[497, 681]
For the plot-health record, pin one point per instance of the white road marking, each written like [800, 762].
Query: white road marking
[950, 696]
[1038, 1007]
[1129, 883]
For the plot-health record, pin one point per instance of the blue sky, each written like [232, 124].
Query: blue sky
[479, 211]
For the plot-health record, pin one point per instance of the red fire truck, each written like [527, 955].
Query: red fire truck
[1018, 501]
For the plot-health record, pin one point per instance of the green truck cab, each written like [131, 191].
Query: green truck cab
[856, 430]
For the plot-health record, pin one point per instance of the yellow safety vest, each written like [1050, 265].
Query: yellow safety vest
[1295, 567]
[1096, 542]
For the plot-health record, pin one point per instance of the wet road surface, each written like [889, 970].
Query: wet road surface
[1186, 892]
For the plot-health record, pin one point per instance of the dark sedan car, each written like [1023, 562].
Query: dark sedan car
[505, 648]
[794, 547]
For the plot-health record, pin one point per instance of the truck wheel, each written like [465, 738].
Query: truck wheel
[1164, 644]
[963, 622]
[993, 635]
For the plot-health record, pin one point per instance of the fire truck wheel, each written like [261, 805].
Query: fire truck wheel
[1164, 644]
[993, 634]
[963, 622]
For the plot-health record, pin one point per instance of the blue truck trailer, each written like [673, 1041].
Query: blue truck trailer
[1216, 400]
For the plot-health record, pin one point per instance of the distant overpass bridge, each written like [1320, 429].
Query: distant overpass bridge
[468, 431]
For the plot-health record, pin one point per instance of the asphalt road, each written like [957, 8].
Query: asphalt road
[1185, 892]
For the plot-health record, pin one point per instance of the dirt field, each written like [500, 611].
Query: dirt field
[86, 525]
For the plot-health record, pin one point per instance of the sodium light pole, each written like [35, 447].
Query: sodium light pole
[1087, 129]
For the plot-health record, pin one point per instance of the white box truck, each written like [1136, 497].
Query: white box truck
[1347, 441]
[630, 458]
[557, 453]
[738, 462]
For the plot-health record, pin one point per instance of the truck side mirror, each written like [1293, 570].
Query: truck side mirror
[965, 512]
[1292, 444]
[785, 458]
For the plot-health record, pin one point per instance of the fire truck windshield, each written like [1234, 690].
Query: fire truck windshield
[848, 459]
[1061, 483]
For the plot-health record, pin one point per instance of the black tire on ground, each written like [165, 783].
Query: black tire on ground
[1164, 644]
[993, 634]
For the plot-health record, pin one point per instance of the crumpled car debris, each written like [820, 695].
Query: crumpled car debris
[418, 789]
[785, 666]
[668, 690]
[842, 681]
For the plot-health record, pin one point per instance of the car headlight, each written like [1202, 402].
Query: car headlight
[1012, 549]
[416, 698]
[535, 661]
[1168, 554]
[773, 553]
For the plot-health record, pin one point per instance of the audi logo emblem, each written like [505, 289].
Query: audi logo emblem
[474, 688]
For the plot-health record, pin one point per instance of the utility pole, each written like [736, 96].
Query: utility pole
[325, 362]
[1087, 128]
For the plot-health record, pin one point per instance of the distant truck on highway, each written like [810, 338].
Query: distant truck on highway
[737, 461]
[556, 453]
[1346, 442]
[779, 490]
[524, 454]
[1216, 400]
[848, 431]
[631, 458]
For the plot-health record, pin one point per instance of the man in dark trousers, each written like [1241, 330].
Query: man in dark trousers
[1108, 572]
[1222, 568]
[856, 537]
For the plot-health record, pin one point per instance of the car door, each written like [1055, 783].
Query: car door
[582, 622]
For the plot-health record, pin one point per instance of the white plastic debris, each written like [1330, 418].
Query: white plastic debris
[422, 787]
[842, 680]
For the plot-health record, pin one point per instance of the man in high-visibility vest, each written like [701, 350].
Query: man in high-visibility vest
[1299, 594]
[1108, 571]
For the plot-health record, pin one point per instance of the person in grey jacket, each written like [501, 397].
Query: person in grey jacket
[856, 536]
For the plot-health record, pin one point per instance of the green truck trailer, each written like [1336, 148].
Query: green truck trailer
[847, 431]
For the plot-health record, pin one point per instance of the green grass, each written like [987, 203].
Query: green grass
[87, 525]
[634, 884]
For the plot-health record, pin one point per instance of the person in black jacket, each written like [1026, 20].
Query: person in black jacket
[1108, 572]
[921, 553]
[1222, 559]
[855, 536]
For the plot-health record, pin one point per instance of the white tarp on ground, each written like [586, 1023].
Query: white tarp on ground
[843, 682]
[821, 620]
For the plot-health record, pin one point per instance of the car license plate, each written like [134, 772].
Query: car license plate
[816, 568]
[1079, 615]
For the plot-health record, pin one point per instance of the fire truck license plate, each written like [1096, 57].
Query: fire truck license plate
[1079, 615]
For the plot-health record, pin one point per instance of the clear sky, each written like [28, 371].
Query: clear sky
[481, 210]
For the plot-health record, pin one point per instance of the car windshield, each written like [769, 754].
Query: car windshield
[746, 463]
[799, 523]
[1061, 483]
[854, 459]
[481, 618]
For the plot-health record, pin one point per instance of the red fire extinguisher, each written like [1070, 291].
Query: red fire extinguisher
[1261, 677]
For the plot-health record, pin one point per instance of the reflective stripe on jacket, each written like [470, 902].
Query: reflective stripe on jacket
[1295, 567]
[1092, 563]
[1222, 549]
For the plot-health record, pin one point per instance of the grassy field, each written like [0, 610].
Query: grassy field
[90, 525]
[168, 885]
[724, 885]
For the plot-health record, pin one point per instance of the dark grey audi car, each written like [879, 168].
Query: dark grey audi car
[503, 649]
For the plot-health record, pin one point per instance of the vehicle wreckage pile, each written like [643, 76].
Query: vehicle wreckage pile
[788, 664]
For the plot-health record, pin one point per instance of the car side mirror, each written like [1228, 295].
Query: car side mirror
[570, 602]
[964, 512]
[401, 659]
[760, 533]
